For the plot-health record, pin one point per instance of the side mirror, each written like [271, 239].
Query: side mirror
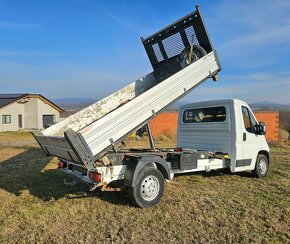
[262, 128]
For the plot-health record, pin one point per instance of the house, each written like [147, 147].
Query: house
[27, 111]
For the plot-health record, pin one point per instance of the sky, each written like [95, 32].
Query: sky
[90, 48]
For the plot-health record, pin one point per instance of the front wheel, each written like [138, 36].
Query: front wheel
[149, 188]
[262, 166]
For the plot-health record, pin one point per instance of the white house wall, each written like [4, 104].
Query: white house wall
[31, 114]
[13, 109]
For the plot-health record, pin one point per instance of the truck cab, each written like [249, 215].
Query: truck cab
[228, 126]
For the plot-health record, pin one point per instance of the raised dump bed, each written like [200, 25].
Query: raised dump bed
[182, 57]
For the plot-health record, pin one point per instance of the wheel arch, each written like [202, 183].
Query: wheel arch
[136, 164]
[266, 153]
[261, 170]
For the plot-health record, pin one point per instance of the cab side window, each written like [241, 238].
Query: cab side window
[249, 120]
[200, 115]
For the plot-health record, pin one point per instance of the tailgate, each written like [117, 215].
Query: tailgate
[57, 146]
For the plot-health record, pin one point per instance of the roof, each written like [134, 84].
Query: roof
[213, 103]
[6, 99]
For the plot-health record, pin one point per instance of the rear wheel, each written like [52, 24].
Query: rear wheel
[149, 188]
[262, 166]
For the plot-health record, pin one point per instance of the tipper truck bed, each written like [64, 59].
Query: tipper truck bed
[87, 135]
[88, 143]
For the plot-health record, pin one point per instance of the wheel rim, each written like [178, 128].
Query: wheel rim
[149, 188]
[263, 166]
[194, 57]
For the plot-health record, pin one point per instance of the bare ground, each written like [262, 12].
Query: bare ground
[213, 207]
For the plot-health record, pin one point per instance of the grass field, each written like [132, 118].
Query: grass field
[212, 207]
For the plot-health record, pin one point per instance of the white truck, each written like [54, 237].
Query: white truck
[211, 135]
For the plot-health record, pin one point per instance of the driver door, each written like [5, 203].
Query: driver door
[251, 140]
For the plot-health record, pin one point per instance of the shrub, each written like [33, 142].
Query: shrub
[283, 137]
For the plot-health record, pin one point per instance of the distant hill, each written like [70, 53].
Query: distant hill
[266, 105]
[72, 105]
[73, 100]
[284, 112]
[263, 105]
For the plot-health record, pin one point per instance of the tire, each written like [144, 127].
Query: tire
[149, 188]
[262, 166]
[197, 53]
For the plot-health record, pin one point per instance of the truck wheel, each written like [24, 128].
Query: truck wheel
[262, 166]
[148, 189]
[197, 53]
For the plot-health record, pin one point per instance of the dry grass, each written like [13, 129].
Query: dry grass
[213, 207]
[14, 139]
[161, 141]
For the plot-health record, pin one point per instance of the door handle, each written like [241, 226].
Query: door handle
[244, 136]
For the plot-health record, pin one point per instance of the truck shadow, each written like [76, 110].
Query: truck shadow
[32, 171]
[218, 173]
